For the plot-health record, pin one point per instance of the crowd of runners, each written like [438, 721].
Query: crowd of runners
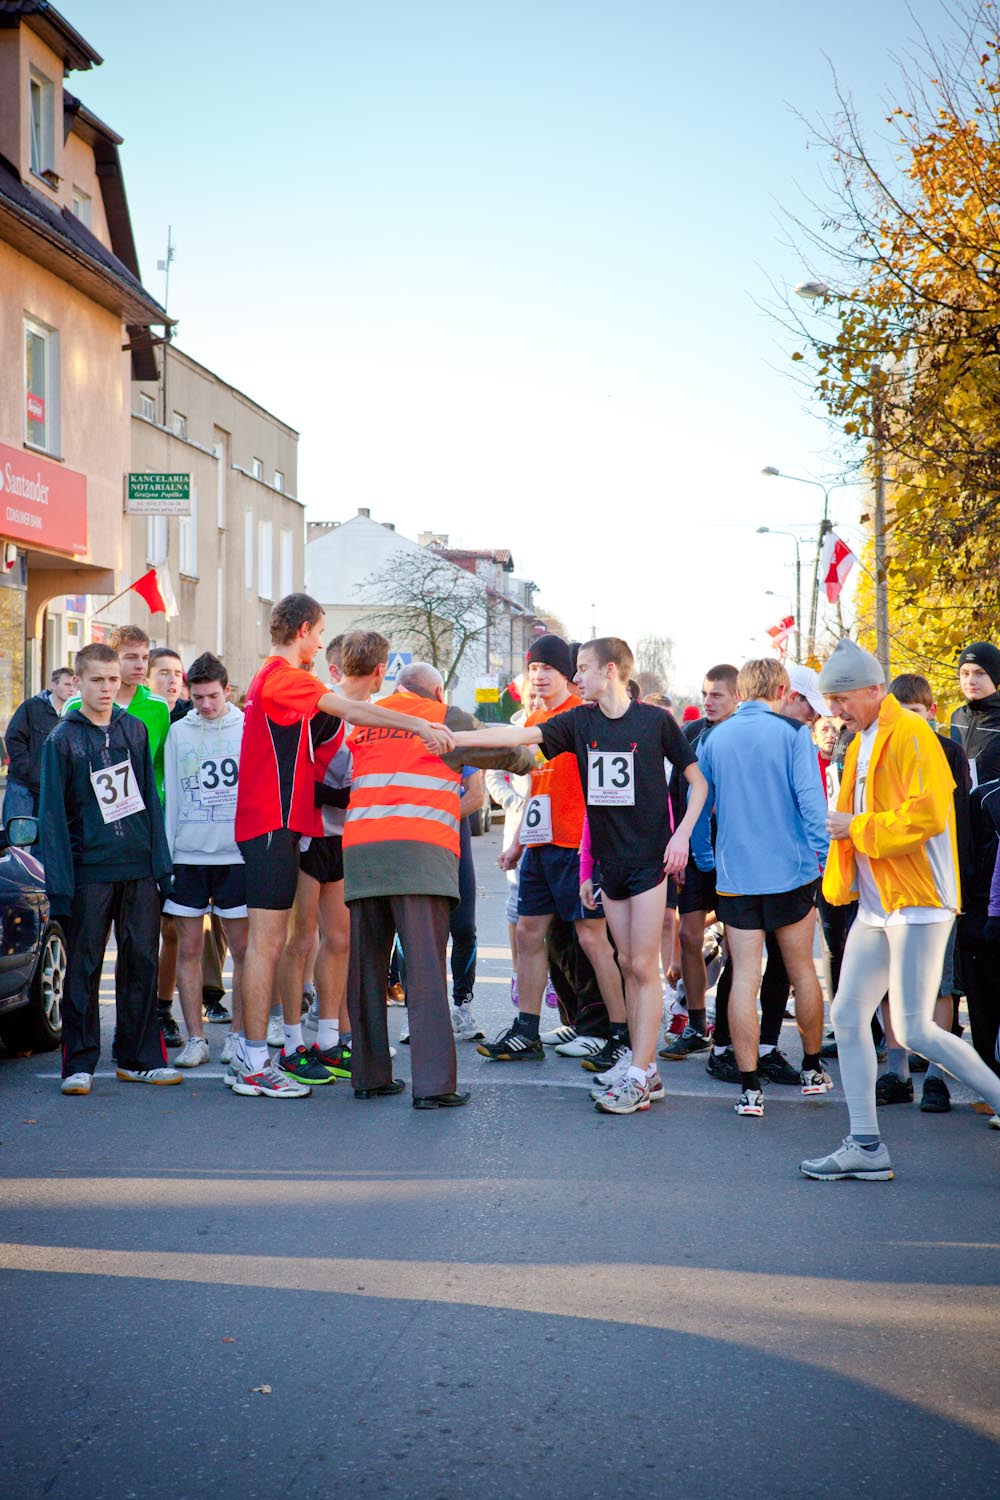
[321, 835]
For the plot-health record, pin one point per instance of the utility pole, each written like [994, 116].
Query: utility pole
[881, 581]
[164, 266]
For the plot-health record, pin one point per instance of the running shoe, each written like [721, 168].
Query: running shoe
[337, 1060]
[814, 1081]
[654, 1084]
[750, 1102]
[404, 1036]
[308, 998]
[77, 1083]
[850, 1160]
[551, 998]
[581, 1046]
[722, 1065]
[270, 1081]
[619, 1070]
[395, 995]
[606, 1058]
[774, 1067]
[149, 1075]
[217, 1014]
[994, 1122]
[464, 1023]
[305, 1065]
[275, 1031]
[627, 1097]
[891, 1089]
[556, 1037]
[231, 1074]
[193, 1053]
[936, 1097]
[511, 1046]
[168, 1025]
[228, 1049]
[686, 1045]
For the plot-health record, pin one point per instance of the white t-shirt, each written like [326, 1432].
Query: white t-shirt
[870, 908]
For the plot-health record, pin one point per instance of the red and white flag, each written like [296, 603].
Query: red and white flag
[835, 562]
[156, 589]
[779, 633]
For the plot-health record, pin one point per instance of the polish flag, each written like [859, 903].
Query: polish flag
[835, 562]
[157, 591]
[779, 633]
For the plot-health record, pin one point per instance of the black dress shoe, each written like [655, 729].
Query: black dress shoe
[394, 1086]
[440, 1101]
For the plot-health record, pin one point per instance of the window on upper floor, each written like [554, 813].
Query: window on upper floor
[257, 468]
[156, 539]
[285, 562]
[188, 538]
[180, 424]
[265, 560]
[41, 386]
[41, 104]
[147, 407]
[248, 549]
[279, 481]
[82, 206]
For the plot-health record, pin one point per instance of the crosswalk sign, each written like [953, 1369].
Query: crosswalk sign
[397, 661]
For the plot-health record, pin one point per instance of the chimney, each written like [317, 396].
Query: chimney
[363, 510]
[389, 525]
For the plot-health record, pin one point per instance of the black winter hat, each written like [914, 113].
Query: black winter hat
[554, 652]
[983, 654]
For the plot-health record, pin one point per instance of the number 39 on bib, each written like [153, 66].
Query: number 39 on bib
[610, 778]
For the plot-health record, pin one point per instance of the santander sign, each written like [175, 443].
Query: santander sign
[41, 503]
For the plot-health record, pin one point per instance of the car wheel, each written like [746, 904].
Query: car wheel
[37, 1026]
[476, 823]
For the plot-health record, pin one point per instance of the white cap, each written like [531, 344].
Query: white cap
[805, 682]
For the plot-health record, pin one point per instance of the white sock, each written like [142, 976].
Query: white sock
[293, 1038]
[327, 1035]
[651, 1070]
[255, 1055]
[765, 1048]
[639, 1074]
[718, 1051]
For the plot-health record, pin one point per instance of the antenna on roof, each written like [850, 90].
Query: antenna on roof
[164, 266]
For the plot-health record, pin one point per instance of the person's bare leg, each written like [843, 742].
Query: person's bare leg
[668, 937]
[796, 944]
[267, 934]
[746, 947]
[235, 929]
[166, 979]
[532, 962]
[593, 935]
[692, 932]
[298, 947]
[190, 940]
[636, 926]
[334, 952]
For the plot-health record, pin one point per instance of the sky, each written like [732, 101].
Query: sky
[501, 263]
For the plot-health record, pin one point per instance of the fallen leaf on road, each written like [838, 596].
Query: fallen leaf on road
[31, 1122]
[260, 1390]
[229, 1341]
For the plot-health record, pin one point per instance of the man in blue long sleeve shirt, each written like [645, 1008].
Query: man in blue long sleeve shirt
[770, 849]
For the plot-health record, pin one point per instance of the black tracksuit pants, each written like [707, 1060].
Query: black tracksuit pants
[133, 906]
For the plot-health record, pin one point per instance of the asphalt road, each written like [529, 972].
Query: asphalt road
[203, 1295]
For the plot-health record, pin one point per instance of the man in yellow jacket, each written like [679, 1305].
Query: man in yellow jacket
[893, 851]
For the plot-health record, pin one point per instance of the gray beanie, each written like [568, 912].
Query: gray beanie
[848, 668]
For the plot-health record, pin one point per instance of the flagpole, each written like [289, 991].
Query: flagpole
[110, 602]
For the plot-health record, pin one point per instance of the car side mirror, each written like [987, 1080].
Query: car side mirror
[19, 833]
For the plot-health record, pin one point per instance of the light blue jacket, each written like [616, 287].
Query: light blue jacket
[770, 806]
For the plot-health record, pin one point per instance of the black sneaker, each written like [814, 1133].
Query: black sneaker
[511, 1046]
[217, 1013]
[305, 1065]
[171, 1031]
[917, 1063]
[891, 1089]
[609, 1054]
[722, 1065]
[686, 1045]
[935, 1099]
[775, 1068]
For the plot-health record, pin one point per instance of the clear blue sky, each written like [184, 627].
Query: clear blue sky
[497, 261]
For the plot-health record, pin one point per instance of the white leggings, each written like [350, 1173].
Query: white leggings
[906, 961]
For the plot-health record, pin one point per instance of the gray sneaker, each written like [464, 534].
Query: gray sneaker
[850, 1160]
[193, 1053]
[626, 1097]
[464, 1023]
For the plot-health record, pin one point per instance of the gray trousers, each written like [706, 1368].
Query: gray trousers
[422, 923]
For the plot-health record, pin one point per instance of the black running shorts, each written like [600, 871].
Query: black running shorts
[324, 859]
[199, 889]
[767, 913]
[272, 861]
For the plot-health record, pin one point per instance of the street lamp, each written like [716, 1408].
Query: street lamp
[825, 525]
[818, 291]
[772, 531]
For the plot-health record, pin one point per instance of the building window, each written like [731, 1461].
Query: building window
[265, 560]
[42, 102]
[147, 407]
[82, 207]
[285, 556]
[188, 537]
[156, 540]
[248, 550]
[180, 424]
[279, 481]
[41, 386]
[219, 449]
[257, 468]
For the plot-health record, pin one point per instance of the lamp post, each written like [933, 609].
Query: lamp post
[818, 291]
[825, 525]
[771, 531]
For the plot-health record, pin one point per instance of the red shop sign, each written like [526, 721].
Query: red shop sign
[41, 502]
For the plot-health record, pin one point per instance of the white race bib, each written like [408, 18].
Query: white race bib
[218, 778]
[117, 791]
[536, 825]
[611, 778]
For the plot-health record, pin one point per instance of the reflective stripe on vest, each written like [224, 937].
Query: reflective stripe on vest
[401, 792]
[402, 810]
[405, 778]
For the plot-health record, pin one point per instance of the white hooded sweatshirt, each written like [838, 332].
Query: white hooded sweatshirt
[201, 775]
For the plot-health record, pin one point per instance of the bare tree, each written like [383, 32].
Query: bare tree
[654, 662]
[441, 609]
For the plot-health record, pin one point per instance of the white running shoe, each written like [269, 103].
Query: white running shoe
[556, 1037]
[581, 1046]
[815, 1081]
[275, 1032]
[994, 1122]
[750, 1102]
[850, 1160]
[617, 1070]
[270, 1081]
[77, 1083]
[464, 1023]
[228, 1048]
[149, 1075]
[626, 1098]
[193, 1053]
[654, 1084]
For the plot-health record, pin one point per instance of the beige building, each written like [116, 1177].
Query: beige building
[75, 329]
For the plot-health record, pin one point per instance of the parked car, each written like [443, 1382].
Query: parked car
[32, 947]
[480, 820]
